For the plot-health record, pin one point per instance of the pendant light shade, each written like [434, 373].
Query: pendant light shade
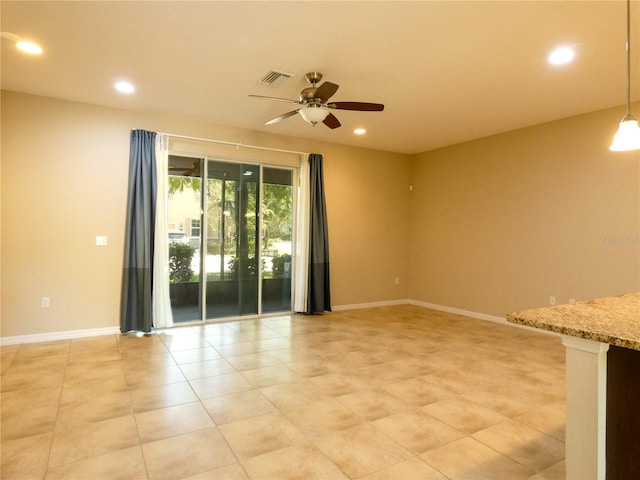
[628, 135]
[314, 114]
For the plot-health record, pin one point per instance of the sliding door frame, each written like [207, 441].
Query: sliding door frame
[204, 219]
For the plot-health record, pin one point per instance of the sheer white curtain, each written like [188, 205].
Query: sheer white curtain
[161, 301]
[301, 260]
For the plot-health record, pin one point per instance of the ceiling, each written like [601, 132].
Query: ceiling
[447, 71]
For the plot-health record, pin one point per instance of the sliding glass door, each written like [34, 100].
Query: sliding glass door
[232, 239]
[277, 237]
[231, 231]
[184, 216]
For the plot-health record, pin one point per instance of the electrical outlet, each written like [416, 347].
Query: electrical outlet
[572, 301]
[45, 302]
[552, 300]
[101, 241]
[397, 280]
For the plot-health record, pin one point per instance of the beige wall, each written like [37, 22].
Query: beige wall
[491, 226]
[64, 181]
[502, 223]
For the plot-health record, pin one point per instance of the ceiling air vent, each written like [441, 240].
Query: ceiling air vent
[274, 78]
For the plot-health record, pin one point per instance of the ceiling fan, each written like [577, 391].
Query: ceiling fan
[193, 171]
[315, 105]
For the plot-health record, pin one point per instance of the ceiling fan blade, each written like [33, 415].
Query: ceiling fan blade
[195, 167]
[360, 106]
[326, 91]
[288, 100]
[279, 118]
[331, 121]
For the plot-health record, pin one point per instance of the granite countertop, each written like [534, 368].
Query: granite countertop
[612, 320]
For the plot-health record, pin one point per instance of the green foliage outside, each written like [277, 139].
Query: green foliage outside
[231, 220]
[180, 257]
[278, 264]
[213, 247]
[251, 268]
[276, 211]
[178, 183]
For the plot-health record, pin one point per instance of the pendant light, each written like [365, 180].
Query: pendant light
[628, 134]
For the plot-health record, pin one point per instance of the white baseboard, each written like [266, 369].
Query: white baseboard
[63, 335]
[357, 306]
[458, 311]
[476, 315]
[94, 332]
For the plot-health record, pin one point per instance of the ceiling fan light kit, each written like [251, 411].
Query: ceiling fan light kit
[314, 103]
[313, 113]
[628, 135]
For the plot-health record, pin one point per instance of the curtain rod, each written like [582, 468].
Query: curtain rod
[208, 140]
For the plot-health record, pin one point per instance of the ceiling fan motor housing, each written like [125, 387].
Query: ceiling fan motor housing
[307, 95]
[313, 78]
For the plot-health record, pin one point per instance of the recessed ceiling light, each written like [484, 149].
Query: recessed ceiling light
[561, 56]
[29, 47]
[359, 131]
[124, 87]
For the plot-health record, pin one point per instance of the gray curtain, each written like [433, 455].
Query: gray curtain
[137, 284]
[319, 292]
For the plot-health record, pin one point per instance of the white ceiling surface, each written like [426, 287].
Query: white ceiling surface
[447, 71]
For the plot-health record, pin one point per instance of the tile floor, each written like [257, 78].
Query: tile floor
[396, 393]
